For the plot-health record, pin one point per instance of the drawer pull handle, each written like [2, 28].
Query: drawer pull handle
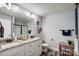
[29, 51]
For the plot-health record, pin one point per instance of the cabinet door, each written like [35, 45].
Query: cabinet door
[38, 48]
[26, 50]
[20, 51]
[29, 49]
[13, 51]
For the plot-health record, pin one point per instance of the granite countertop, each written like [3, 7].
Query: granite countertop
[13, 44]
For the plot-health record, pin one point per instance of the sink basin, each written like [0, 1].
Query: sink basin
[11, 44]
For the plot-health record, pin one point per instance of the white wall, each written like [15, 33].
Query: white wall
[6, 22]
[53, 23]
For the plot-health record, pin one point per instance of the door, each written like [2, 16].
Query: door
[17, 30]
[24, 30]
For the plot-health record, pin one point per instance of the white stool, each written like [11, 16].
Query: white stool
[45, 47]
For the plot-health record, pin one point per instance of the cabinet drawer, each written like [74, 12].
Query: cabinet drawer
[11, 51]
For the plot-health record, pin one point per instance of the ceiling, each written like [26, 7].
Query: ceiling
[43, 9]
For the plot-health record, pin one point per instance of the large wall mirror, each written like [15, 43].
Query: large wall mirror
[20, 27]
[5, 26]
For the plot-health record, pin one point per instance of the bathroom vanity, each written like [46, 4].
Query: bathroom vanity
[30, 47]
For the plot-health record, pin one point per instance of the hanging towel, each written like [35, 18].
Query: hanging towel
[66, 32]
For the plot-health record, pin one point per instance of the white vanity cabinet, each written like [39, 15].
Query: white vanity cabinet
[32, 48]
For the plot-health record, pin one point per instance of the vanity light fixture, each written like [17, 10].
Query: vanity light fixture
[15, 8]
[9, 6]
[33, 16]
